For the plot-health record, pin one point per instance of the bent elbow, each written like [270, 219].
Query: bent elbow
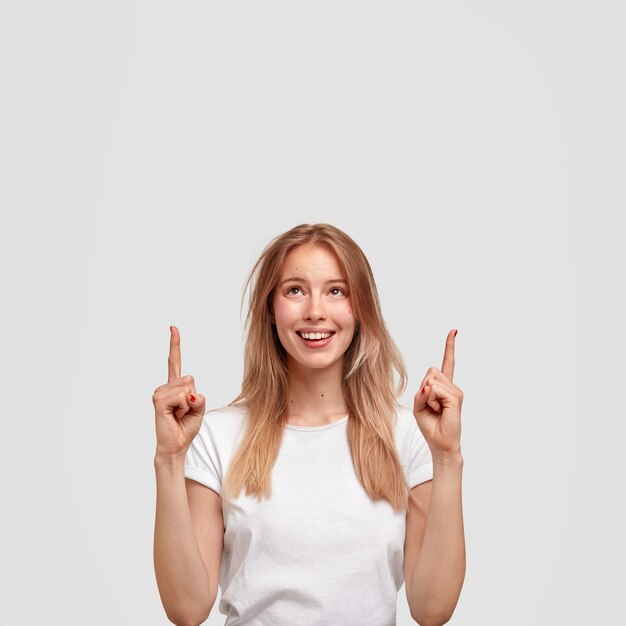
[430, 621]
[188, 620]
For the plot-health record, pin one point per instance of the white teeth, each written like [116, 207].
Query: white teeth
[315, 335]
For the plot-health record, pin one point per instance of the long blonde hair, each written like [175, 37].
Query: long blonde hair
[368, 382]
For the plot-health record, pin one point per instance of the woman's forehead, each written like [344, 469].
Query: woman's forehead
[313, 261]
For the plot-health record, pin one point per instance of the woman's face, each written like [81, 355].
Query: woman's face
[309, 297]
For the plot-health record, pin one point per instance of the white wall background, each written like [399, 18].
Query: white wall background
[475, 151]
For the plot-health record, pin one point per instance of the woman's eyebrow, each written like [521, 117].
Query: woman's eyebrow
[303, 280]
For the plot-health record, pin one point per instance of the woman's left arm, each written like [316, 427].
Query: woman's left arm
[437, 576]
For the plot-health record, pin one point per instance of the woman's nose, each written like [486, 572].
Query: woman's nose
[315, 307]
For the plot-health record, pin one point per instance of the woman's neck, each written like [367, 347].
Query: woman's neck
[315, 396]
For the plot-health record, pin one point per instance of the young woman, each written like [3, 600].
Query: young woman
[314, 494]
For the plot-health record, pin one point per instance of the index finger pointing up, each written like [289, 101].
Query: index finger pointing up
[173, 362]
[447, 367]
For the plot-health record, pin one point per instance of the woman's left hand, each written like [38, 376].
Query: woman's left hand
[437, 406]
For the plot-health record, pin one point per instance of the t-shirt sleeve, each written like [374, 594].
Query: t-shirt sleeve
[420, 458]
[202, 461]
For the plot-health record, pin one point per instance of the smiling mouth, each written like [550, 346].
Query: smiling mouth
[322, 339]
[316, 343]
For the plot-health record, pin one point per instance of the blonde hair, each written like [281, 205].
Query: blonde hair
[368, 382]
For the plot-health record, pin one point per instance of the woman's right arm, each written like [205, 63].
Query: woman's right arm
[188, 530]
[181, 574]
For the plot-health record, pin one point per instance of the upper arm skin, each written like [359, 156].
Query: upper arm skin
[205, 506]
[415, 526]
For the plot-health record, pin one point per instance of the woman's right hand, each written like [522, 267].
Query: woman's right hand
[178, 415]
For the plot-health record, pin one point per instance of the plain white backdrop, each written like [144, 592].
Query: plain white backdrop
[475, 151]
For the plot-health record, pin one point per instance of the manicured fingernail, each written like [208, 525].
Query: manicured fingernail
[455, 332]
[423, 389]
[193, 398]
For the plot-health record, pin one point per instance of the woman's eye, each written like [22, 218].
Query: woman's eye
[290, 290]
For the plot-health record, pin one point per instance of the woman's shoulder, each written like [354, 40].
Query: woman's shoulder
[404, 419]
[228, 418]
[403, 412]
[234, 408]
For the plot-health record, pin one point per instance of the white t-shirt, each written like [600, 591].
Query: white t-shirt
[320, 551]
